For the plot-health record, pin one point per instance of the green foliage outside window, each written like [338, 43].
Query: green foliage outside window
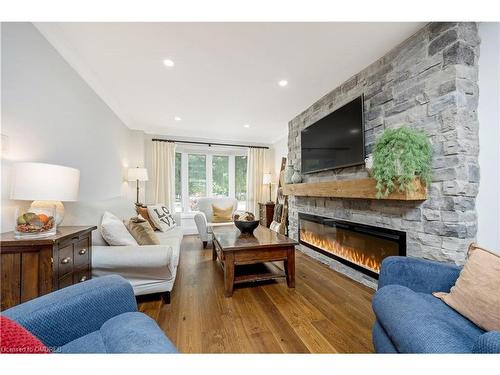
[220, 175]
[197, 175]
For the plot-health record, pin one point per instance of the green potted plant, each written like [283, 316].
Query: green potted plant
[399, 156]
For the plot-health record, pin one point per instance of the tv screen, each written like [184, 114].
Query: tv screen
[336, 140]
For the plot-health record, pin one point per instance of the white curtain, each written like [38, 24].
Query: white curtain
[255, 172]
[164, 173]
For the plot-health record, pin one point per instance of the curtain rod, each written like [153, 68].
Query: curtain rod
[207, 143]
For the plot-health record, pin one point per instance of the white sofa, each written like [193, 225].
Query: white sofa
[203, 218]
[150, 269]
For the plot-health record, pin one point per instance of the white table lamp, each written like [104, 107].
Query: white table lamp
[138, 175]
[47, 185]
[267, 180]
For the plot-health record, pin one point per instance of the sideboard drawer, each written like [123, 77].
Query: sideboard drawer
[81, 276]
[65, 260]
[81, 253]
[65, 281]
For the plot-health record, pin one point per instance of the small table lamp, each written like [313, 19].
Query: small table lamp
[46, 185]
[267, 180]
[137, 174]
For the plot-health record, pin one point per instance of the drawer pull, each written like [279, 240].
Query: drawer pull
[84, 278]
[82, 251]
[65, 260]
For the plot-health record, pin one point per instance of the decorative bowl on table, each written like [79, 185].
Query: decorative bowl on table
[35, 222]
[245, 222]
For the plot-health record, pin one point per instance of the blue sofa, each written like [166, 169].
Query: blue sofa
[411, 320]
[97, 316]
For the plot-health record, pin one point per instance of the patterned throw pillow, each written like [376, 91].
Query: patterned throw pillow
[161, 217]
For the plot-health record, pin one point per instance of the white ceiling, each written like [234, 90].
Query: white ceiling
[225, 75]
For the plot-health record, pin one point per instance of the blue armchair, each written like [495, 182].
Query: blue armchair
[411, 320]
[97, 316]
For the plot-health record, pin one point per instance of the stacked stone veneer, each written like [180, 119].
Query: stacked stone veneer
[429, 83]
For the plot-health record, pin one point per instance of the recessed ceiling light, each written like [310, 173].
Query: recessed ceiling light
[168, 63]
[177, 118]
[283, 83]
[246, 126]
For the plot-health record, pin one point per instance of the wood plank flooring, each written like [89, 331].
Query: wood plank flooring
[326, 312]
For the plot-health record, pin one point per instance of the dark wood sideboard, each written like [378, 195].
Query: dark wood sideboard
[33, 267]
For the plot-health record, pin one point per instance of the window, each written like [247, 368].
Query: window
[178, 182]
[220, 176]
[197, 177]
[240, 180]
[213, 173]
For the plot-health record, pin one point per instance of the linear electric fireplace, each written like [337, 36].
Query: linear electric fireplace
[359, 246]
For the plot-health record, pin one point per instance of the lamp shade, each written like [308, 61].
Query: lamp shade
[267, 179]
[135, 174]
[44, 182]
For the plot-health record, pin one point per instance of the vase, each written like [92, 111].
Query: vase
[369, 164]
[296, 177]
[289, 171]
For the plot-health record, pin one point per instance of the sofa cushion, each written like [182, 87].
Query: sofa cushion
[143, 211]
[161, 217]
[221, 215]
[142, 232]
[115, 232]
[421, 323]
[126, 333]
[135, 333]
[205, 205]
[91, 343]
[475, 293]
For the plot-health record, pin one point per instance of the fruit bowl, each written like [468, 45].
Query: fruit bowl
[245, 222]
[35, 222]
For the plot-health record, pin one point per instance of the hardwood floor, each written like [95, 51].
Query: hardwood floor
[325, 313]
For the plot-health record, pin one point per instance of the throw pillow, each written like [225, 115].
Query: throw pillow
[161, 217]
[143, 211]
[114, 232]
[221, 215]
[15, 339]
[475, 293]
[142, 232]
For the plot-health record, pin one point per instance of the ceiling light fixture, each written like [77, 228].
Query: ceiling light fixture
[177, 118]
[168, 63]
[283, 83]
[246, 126]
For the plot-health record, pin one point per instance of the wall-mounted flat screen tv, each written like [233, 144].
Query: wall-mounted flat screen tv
[336, 140]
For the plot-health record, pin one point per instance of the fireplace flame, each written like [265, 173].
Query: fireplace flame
[349, 253]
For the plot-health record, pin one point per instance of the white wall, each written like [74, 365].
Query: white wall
[488, 200]
[279, 150]
[49, 114]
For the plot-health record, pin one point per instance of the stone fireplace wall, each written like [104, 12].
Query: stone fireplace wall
[429, 83]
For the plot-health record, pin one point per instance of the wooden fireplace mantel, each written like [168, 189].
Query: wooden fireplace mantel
[359, 188]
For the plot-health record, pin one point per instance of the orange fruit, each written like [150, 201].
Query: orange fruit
[43, 218]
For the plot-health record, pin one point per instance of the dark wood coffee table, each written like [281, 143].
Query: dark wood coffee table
[247, 257]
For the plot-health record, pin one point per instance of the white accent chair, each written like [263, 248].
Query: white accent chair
[149, 268]
[203, 218]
